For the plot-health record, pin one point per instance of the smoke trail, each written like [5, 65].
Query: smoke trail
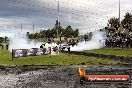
[20, 41]
[97, 41]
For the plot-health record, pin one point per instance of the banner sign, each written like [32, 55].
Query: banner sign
[102, 78]
[34, 52]
[107, 78]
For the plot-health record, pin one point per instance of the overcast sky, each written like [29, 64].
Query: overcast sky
[86, 15]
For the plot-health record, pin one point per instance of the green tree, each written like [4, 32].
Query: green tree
[49, 33]
[1, 39]
[127, 21]
[76, 33]
[68, 32]
[36, 35]
[114, 22]
[31, 36]
[57, 27]
[90, 34]
[42, 33]
[52, 33]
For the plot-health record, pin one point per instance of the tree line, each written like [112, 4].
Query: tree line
[67, 32]
[114, 24]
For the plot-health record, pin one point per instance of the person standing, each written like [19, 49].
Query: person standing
[2, 46]
[41, 46]
[131, 42]
[7, 46]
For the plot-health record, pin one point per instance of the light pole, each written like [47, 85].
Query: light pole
[21, 27]
[33, 29]
[58, 20]
[119, 11]
[119, 28]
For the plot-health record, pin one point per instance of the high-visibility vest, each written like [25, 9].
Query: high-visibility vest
[44, 46]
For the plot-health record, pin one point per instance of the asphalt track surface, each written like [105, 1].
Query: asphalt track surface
[57, 76]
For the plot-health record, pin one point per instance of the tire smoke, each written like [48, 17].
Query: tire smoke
[97, 41]
[20, 41]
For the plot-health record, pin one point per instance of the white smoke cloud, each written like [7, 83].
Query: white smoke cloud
[97, 41]
[20, 41]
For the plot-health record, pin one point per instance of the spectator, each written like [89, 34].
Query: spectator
[131, 42]
[7, 46]
[2, 46]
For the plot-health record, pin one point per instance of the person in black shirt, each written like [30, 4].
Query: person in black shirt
[131, 42]
[7, 46]
[2, 46]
